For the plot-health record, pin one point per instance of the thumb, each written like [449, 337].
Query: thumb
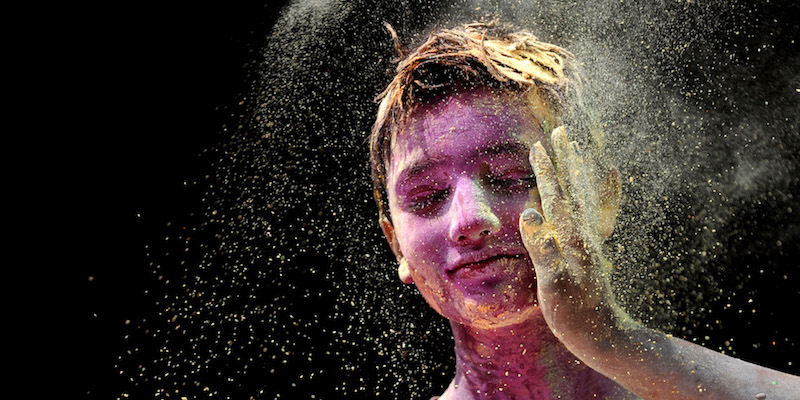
[540, 240]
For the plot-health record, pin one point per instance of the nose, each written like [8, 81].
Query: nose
[472, 221]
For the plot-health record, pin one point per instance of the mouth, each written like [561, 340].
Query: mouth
[469, 268]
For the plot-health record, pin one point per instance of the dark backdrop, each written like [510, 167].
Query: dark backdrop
[148, 88]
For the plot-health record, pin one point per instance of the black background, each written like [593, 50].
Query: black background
[138, 93]
[143, 89]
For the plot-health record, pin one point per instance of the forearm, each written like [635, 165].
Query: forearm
[655, 365]
[577, 302]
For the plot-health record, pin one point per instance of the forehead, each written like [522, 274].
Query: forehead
[460, 124]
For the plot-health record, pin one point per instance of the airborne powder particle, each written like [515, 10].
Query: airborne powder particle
[282, 287]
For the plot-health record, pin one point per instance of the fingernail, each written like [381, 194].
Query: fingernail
[532, 217]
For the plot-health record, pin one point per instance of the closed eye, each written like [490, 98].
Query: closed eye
[512, 181]
[426, 201]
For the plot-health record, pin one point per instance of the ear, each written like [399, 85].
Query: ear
[388, 233]
[403, 271]
[610, 199]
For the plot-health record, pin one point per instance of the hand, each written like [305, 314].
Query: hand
[579, 307]
[565, 247]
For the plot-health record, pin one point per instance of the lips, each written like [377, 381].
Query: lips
[478, 261]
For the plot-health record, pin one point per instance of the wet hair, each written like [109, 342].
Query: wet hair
[475, 55]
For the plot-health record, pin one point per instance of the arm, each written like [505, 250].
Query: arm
[655, 365]
[579, 307]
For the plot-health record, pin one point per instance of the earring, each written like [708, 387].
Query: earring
[404, 272]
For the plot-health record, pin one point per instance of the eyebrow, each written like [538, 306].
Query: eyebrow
[514, 147]
[419, 167]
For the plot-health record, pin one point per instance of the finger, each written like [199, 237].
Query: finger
[558, 212]
[583, 188]
[555, 206]
[574, 175]
[610, 195]
[540, 241]
[569, 171]
[561, 152]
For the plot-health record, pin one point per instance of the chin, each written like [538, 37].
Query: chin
[496, 315]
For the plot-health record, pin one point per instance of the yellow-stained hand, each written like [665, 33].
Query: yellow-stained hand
[577, 302]
[565, 247]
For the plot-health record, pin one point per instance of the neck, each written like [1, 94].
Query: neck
[520, 362]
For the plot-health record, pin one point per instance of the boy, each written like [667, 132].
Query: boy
[499, 220]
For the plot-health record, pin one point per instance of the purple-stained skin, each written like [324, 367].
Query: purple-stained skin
[458, 180]
[461, 173]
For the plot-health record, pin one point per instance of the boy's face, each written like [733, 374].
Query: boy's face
[458, 180]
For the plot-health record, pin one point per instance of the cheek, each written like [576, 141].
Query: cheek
[421, 243]
[511, 208]
[423, 247]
